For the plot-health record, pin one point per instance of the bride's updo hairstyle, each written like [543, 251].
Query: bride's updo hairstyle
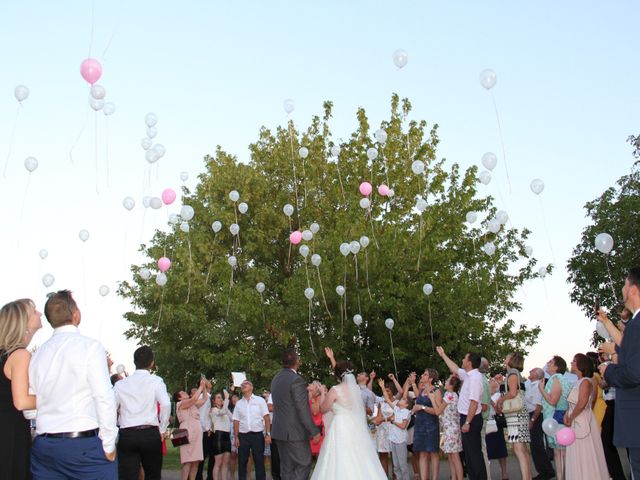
[342, 368]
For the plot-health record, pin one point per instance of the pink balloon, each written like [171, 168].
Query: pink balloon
[91, 70]
[164, 264]
[168, 196]
[383, 190]
[295, 237]
[365, 188]
[565, 436]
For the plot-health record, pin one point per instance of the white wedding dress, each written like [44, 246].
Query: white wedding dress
[347, 450]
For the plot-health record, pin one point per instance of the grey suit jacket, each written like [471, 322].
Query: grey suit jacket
[292, 419]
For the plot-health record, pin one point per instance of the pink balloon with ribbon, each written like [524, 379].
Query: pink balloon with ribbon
[168, 196]
[365, 189]
[295, 237]
[565, 436]
[383, 190]
[91, 70]
[164, 264]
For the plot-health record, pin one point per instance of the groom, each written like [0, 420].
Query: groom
[292, 423]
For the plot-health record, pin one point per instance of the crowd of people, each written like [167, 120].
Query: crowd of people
[91, 425]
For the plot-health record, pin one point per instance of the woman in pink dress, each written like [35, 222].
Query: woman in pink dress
[585, 457]
[315, 389]
[189, 417]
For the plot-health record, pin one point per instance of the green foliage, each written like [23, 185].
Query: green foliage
[204, 321]
[594, 274]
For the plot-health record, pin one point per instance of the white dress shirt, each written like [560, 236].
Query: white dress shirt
[368, 397]
[250, 414]
[138, 396]
[396, 434]
[205, 421]
[471, 390]
[69, 376]
[221, 418]
[532, 395]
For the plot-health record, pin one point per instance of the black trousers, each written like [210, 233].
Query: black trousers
[614, 465]
[539, 450]
[207, 451]
[275, 461]
[472, 446]
[251, 443]
[139, 447]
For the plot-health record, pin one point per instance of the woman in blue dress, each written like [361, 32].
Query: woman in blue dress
[426, 433]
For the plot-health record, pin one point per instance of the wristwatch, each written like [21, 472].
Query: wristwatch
[467, 422]
[268, 434]
[424, 407]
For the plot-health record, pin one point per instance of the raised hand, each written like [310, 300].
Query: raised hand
[381, 384]
[328, 351]
[391, 377]
[440, 351]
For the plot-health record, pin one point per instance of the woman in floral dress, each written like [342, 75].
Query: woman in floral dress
[450, 426]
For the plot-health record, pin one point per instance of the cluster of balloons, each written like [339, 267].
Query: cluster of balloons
[297, 236]
[354, 246]
[153, 152]
[164, 264]
[565, 436]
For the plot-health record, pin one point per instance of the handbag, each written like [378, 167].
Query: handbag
[179, 437]
[515, 404]
[492, 426]
[501, 421]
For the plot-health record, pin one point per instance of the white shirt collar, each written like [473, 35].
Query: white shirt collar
[66, 329]
[142, 371]
[635, 313]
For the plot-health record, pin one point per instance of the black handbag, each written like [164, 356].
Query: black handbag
[501, 421]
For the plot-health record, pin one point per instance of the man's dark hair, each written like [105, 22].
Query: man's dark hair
[143, 357]
[59, 308]
[474, 358]
[289, 358]
[634, 276]
[115, 378]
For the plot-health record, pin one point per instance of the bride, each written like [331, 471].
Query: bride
[347, 450]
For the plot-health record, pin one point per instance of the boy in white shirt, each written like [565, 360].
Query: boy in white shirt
[398, 434]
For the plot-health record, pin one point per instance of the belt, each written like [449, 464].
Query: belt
[139, 427]
[85, 434]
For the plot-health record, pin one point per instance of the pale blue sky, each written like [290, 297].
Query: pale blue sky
[214, 72]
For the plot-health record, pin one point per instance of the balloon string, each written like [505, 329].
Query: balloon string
[106, 144]
[355, 259]
[113, 34]
[293, 167]
[393, 353]
[24, 201]
[313, 350]
[306, 271]
[344, 198]
[373, 231]
[160, 310]
[433, 346]
[13, 133]
[230, 287]
[360, 348]
[206, 281]
[344, 300]
[546, 230]
[95, 135]
[473, 240]
[419, 243]
[189, 272]
[366, 270]
[324, 299]
[264, 318]
[386, 166]
[235, 211]
[75, 143]
[504, 154]
[304, 180]
[613, 290]
[93, 9]
[290, 244]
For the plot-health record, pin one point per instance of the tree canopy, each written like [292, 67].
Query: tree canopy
[210, 318]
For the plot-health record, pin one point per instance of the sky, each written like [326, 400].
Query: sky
[215, 72]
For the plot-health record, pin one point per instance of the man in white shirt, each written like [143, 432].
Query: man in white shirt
[533, 402]
[207, 438]
[470, 410]
[368, 397]
[141, 426]
[76, 420]
[250, 420]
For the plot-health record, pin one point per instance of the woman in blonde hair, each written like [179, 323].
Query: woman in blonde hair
[19, 321]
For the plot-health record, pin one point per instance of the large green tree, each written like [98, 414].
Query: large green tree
[209, 317]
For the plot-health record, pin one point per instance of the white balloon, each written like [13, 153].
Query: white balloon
[184, 226]
[145, 273]
[365, 203]
[303, 152]
[400, 58]
[389, 323]
[120, 369]
[604, 242]
[160, 149]
[288, 209]
[309, 293]
[174, 219]
[421, 205]
[96, 105]
[21, 92]
[316, 260]
[260, 287]
[103, 290]
[493, 225]
[146, 201]
[184, 176]
[372, 154]
[345, 249]
[128, 203]
[234, 229]
[31, 163]
[427, 288]
[243, 207]
[354, 247]
[48, 280]
[417, 167]
[335, 151]
[391, 193]
[234, 196]
[307, 235]
[98, 91]
[152, 132]
[150, 119]
[43, 253]
[187, 212]
[485, 177]
[537, 186]
[502, 217]
[304, 250]
[528, 250]
[357, 319]
[151, 156]
[232, 261]
[155, 203]
[488, 78]
[489, 160]
[471, 217]
[602, 330]
[381, 136]
[314, 227]
[550, 426]
[161, 279]
[542, 271]
[109, 108]
[489, 248]
[83, 235]
[216, 226]
[364, 241]
[146, 143]
[289, 105]
[340, 290]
